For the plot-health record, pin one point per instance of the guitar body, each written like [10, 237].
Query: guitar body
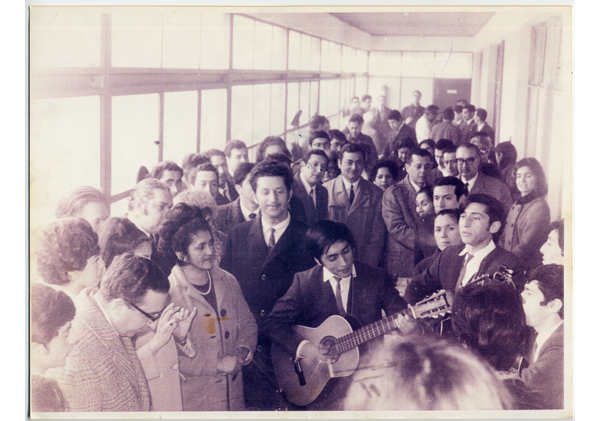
[316, 369]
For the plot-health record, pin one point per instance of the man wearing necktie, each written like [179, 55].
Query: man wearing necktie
[338, 285]
[308, 188]
[480, 224]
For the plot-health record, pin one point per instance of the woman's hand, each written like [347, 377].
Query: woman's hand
[165, 326]
[185, 317]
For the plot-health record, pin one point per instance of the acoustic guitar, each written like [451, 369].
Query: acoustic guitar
[303, 380]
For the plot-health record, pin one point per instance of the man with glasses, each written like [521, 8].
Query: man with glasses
[468, 163]
[308, 188]
[103, 372]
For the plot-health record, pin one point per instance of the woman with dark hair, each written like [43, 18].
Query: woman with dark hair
[506, 156]
[68, 255]
[225, 331]
[51, 314]
[120, 235]
[528, 221]
[272, 145]
[384, 174]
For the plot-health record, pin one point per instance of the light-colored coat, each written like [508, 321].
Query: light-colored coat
[214, 335]
[363, 217]
[492, 187]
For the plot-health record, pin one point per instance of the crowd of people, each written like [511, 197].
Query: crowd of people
[178, 305]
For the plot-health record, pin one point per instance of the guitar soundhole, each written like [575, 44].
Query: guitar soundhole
[327, 349]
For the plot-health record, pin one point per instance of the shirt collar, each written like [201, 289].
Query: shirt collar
[347, 184]
[246, 212]
[327, 275]
[103, 310]
[415, 186]
[305, 183]
[471, 181]
[278, 226]
[480, 254]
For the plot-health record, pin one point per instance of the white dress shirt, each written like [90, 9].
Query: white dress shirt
[344, 284]
[280, 227]
[347, 185]
[475, 262]
[246, 212]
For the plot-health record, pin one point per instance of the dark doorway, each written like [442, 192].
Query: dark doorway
[447, 91]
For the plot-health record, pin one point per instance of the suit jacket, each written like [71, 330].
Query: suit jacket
[310, 301]
[489, 131]
[414, 112]
[545, 377]
[403, 132]
[400, 216]
[311, 214]
[363, 217]
[264, 277]
[380, 120]
[370, 150]
[492, 187]
[445, 269]
[102, 372]
[229, 215]
[232, 192]
[467, 130]
[445, 130]
[221, 200]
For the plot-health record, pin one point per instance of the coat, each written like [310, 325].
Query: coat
[487, 129]
[492, 187]
[311, 214]
[466, 131]
[526, 229]
[265, 276]
[445, 130]
[363, 217]
[214, 332]
[229, 215]
[400, 216]
[445, 269]
[102, 372]
[403, 132]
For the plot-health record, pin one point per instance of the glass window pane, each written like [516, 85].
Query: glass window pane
[330, 98]
[385, 63]
[277, 108]
[361, 86]
[315, 60]
[213, 119]
[292, 103]
[64, 37]
[119, 208]
[64, 151]
[417, 64]
[136, 37]
[180, 125]
[243, 42]
[262, 116]
[362, 58]
[295, 52]
[347, 65]
[181, 38]
[305, 52]
[134, 131]
[263, 37]
[325, 57]
[314, 98]
[453, 66]
[409, 85]
[336, 58]
[214, 41]
[387, 86]
[304, 102]
[279, 48]
[241, 113]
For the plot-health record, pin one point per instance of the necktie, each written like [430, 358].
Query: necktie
[338, 296]
[314, 197]
[461, 275]
[467, 187]
[252, 215]
[351, 198]
[272, 240]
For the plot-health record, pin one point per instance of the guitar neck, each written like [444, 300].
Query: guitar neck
[365, 334]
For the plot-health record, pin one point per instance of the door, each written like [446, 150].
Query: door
[446, 92]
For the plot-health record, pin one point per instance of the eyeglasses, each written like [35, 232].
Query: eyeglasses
[469, 161]
[151, 318]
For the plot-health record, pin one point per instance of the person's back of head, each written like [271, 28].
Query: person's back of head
[448, 114]
[242, 172]
[261, 154]
[395, 115]
[426, 373]
[194, 160]
[551, 282]
[481, 113]
[507, 153]
[50, 310]
[201, 199]
[118, 236]
[442, 144]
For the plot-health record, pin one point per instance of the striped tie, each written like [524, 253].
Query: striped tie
[271, 244]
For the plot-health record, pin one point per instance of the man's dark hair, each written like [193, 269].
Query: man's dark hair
[462, 102]
[316, 121]
[269, 141]
[241, 172]
[418, 152]
[130, 277]
[493, 208]
[233, 144]
[193, 160]
[51, 309]
[118, 236]
[453, 213]
[448, 114]
[428, 142]
[428, 192]
[405, 142]
[551, 281]
[319, 134]
[457, 109]
[442, 144]
[385, 163]
[356, 118]
[490, 320]
[271, 169]
[339, 135]
[190, 176]
[316, 151]
[161, 167]
[214, 152]
[323, 234]
[481, 113]
[432, 109]
[559, 226]
[353, 148]
[481, 136]
[509, 154]
[395, 115]
[365, 97]
[470, 108]
[459, 186]
[449, 149]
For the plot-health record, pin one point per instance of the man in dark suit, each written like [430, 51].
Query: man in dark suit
[355, 136]
[338, 285]
[480, 222]
[414, 111]
[468, 162]
[400, 214]
[543, 302]
[467, 127]
[482, 126]
[307, 186]
[263, 255]
[241, 209]
[398, 131]
[357, 203]
[226, 186]
[381, 117]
